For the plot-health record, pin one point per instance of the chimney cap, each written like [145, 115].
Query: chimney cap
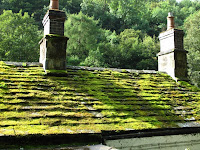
[170, 21]
[170, 14]
[54, 4]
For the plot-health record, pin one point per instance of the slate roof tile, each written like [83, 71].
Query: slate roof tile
[88, 100]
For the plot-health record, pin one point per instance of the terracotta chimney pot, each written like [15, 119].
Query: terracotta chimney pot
[54, 4]
[170, 21]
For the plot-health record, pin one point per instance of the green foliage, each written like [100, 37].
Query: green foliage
[137, 50]
[18, 37]
[73, 60]
[32, 7]
[94, 58]
[130, 45]
[126, 10]
[70, 6]
[83, 34]
[100, 9]
[109, 47]
[191, 87]
[117, 15]
[3, 85]
[148, 16]
[89, 45]
[192, 42]
[150, 49]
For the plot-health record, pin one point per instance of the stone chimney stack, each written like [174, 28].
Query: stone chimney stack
[53, 45]
[172, 57]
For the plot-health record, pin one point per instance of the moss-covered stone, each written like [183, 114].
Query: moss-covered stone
[83, 101]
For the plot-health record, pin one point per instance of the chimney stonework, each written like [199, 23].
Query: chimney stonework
[53, 52]
[53, 22]
[172, 58]
[53, 45]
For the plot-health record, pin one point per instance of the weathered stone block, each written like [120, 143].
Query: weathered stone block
[181, 65]
[166, 63]
[53, 52]
[174, 64]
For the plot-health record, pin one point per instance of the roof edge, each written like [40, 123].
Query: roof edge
[52, 139]
[114, 135]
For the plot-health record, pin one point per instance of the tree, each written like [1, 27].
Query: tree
[110, 50]
[99, 9]
[138, 50]
[31, 6]
[130, 45]
[192, 42]
[70, 6]
[1, 7]
[150, 48]
[83, 34]
[131, 13]
[19, 37]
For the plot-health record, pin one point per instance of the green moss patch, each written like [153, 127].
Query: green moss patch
[84, 101]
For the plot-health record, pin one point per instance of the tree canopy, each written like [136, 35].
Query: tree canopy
[18, 37]
[192, 44]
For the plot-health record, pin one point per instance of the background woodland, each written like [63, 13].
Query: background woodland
[103, 33]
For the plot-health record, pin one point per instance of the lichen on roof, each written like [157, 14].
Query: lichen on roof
[89, 101]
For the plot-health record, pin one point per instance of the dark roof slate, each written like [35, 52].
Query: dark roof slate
[88, 100]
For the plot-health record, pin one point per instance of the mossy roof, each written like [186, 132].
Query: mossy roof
[89, 100]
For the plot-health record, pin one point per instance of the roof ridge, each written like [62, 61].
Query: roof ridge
[20, 64]
[24, 64]
[113, 69]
